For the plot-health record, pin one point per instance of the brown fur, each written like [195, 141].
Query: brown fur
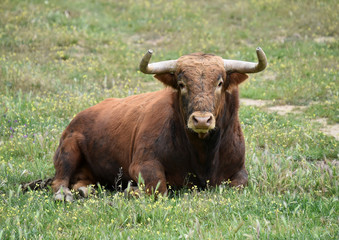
[148, 134]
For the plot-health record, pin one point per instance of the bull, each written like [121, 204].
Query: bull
[186, 134]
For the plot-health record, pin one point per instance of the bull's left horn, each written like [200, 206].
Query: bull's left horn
[247, 67]
[158, 67]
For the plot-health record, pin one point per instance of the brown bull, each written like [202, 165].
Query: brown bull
[187, 133]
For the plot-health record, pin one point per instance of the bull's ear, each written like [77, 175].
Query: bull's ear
[236, 78]
[233, 80]
[168, 79]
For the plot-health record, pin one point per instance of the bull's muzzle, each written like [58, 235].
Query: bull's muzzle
[201, 122]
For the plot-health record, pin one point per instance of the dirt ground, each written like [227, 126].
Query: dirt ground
[331, 130]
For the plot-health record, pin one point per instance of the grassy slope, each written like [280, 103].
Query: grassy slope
[57, 59]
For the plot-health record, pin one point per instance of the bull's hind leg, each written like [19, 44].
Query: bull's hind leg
[239, 179]
[66, 161]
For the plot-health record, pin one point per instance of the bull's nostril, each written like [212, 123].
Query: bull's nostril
[195, 120]
[202, 121]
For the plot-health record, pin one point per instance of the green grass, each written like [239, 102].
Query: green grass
[60, 57]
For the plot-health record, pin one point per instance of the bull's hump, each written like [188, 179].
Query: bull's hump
[144, 99]
[133, 108]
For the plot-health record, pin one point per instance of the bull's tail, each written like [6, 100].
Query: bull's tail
[36, 184]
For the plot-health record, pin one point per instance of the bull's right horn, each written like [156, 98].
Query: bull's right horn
[158, 67]
[247, 67]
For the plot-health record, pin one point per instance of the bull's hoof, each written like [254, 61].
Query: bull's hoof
[59, 197]
[85, 191]
[63, 195]
[69, 198]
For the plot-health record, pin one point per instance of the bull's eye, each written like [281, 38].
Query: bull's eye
[220, 83]
[181, 85]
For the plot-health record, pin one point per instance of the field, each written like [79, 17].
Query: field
[60, 57]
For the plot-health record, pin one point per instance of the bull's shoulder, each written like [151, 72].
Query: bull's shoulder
[159, 105]
[160, 123]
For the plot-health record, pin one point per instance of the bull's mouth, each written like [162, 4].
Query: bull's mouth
[202, 135]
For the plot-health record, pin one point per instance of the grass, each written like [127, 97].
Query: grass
[59, 57]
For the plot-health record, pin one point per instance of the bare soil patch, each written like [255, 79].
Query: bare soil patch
[254, 102]
[285, 109]
[330, 130]
[325, 39]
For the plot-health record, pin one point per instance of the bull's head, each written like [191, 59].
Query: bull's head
[203, 82]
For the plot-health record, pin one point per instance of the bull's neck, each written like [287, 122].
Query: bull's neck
[206, 149]
[205, 152]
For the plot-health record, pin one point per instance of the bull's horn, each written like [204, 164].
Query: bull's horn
[247, 67]
[158, 67]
